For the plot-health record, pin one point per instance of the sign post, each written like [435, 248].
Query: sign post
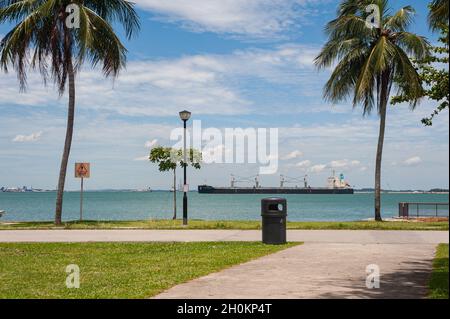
[82, 171]
[81, 200]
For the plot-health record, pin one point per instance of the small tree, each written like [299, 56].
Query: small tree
[168, 159]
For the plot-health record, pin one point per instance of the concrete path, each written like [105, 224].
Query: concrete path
[323, 270]
[308, 236]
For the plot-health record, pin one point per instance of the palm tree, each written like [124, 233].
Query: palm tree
[370, 61]
[439, 14]
[43, 39]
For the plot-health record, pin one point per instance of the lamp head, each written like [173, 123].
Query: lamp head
[185, 115]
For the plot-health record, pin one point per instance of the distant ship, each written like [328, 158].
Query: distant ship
[23, 189]
[178, 189]
[335, 185]
[145, 190]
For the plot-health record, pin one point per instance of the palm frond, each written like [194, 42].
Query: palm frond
[335, 50]
[414, 45]
[369, 60]
[121, 11]
[105, 47]
[42, 40]
[407, 79]
[13, 11]
[439, 14]
[401, 20]
[366, 82]
[345, 75]
[347, 27]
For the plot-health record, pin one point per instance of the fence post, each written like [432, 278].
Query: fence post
[400, 210]
[403, 210]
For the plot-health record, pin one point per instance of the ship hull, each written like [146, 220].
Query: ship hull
[204, 189]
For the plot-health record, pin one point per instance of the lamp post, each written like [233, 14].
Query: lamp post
[185, 116]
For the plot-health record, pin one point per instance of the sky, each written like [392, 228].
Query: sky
[233, 64]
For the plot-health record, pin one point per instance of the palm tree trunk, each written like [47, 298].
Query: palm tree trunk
[383, 101]
[378, 163]
[67, 144]
[174, 194]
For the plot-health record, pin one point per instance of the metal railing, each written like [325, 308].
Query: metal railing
[417, 210]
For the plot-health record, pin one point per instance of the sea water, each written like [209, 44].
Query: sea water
[159, 205]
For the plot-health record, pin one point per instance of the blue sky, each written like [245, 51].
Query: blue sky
[233, 64]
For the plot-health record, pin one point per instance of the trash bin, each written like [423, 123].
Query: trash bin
[274, 216]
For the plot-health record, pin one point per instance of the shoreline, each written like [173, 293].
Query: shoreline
[195, 191]
[388, 224]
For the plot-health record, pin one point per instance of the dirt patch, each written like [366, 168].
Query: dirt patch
[431, 219]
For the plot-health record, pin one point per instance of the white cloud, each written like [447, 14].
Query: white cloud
[250, 18]
[27, 138]
[413, 161]
[292, 155]
[141, 159]
[339, 164]
[344, 164]
[304, 164]
[150, 144]
[318, 168]
[336, 164]
[208, 84]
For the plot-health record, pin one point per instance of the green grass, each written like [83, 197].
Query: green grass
[115, 270]
[439, 278]
[241, 225]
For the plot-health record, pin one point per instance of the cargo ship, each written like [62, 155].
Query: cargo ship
[336, 185]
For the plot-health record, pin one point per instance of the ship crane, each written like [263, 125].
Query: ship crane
[250, 179]
[293, 180]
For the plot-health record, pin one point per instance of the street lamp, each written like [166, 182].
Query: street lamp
[185, 116]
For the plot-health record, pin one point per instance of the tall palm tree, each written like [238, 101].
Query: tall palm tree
[370, 61]
[42, 38]
[439, 14]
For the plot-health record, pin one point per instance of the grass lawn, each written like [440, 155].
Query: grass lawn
[439, 278]
[245, 225]
[115, 270]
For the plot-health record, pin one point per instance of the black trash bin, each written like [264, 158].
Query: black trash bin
[274, 216]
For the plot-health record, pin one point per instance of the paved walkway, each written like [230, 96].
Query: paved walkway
[319, 271]
[331, 264]
[309, 236]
